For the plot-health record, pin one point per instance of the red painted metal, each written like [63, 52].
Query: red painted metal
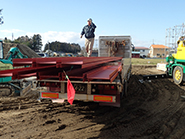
[26, 75]
[85, 68]
[104, 73]
[21, 71]
[63, 60]
[101, 61]
[114, 77]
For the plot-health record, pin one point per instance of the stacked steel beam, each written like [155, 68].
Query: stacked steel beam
[83, 68]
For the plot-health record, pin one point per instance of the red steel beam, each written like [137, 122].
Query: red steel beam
[77, 73]
[26, 75]
[63, 60]
[99, 62]
[104, 73]
[46, 68]
[114, 77]
[50, 60]
[16, 72]
[32, 70]
[118, 69]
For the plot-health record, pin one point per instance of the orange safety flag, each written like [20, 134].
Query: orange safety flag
[70, 92]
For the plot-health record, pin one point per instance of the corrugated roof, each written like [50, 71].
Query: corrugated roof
[159, 46]
[141, 48]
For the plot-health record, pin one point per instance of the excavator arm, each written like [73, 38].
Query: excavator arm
[7, 88]
[14, 52]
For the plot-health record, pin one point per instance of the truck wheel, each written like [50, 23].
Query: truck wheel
[178, 75]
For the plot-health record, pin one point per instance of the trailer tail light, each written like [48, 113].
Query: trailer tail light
[112, 87]
[103, 98]
[49, 95]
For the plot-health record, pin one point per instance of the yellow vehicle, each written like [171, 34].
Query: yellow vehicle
[176, 63]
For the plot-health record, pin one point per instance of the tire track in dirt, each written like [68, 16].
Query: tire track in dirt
[151, 110]
[152, 125]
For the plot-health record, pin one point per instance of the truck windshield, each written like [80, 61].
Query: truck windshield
[171, 52]
[1, 50]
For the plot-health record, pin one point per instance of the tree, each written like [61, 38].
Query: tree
[36, 42]
[7, 40]
[63, 47]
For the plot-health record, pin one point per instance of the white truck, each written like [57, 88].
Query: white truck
[106, 92]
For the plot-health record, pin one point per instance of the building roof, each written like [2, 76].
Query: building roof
[159, 46]
[141, 48]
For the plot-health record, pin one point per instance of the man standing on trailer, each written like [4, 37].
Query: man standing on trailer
[89, 30]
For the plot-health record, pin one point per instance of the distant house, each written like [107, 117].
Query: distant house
[144, 51]
[135, 54]
[159, 51]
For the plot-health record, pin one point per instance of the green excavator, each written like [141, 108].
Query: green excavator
[9, 87]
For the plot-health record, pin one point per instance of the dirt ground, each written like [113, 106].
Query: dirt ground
[152, 110]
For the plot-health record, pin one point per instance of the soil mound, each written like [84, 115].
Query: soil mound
[25, 50]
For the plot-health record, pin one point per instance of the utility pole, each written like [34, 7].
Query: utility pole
[12, 37]
[1, 18]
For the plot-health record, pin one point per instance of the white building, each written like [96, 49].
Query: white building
[144, 51]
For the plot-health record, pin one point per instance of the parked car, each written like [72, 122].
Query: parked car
[43, 54]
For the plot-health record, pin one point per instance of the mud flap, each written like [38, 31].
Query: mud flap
[125, 89]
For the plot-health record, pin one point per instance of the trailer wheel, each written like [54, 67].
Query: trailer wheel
[178, 75]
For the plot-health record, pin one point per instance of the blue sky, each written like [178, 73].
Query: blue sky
[145, 21]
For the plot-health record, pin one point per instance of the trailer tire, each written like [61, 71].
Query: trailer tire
[178, 75]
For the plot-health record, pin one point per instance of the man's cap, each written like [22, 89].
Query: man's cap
[89, 20]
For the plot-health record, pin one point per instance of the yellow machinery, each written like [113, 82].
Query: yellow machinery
[176, 63]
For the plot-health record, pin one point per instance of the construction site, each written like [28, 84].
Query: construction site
[112, 97]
